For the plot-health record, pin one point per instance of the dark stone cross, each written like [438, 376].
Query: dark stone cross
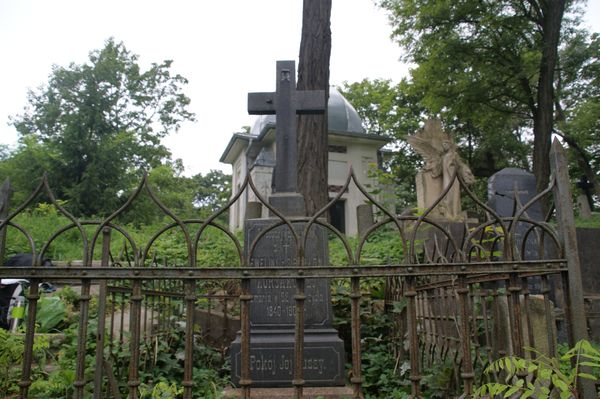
[273, 305]
[286, 102]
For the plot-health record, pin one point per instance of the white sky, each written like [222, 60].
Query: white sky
[226, 48]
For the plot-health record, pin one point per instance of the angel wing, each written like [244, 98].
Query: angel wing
[431, 151]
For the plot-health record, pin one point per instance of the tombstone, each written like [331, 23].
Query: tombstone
[253, 210]
[364, 218]
[272, 309]
[508, 191]
[502, 188]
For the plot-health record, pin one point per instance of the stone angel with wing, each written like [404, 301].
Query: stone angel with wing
[442, 164]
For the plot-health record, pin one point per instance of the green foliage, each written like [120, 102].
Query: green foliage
[543, 376]
[51, 312]
[162, 390]
[212, 191]
[11, 356]
[394, 111]
[382, 247]
[492, 72]
[41, 223]
[94, 126]
[215, 249]
[593, 222]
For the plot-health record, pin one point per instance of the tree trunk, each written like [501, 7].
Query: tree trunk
[313, 74]
[551, 20]
[583, 161]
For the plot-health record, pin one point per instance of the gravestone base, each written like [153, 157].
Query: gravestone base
[272, 358]
[288, 393]
[273, 309]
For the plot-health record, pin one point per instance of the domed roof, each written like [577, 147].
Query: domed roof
[341, 117]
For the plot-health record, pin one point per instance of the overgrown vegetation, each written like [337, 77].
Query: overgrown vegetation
[543, 377]
[41, 222]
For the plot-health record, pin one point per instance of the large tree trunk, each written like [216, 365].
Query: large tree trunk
[313, 74]
[550, 24]
[583, 160]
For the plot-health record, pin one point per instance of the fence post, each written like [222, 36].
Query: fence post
[566, 224]
[5, 194]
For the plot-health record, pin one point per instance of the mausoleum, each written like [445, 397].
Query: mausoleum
[349, 145]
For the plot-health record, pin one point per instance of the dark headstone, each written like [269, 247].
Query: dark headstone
[508, 191]
[504, 185]
[253, 210]
[272, 314]
[273, 307]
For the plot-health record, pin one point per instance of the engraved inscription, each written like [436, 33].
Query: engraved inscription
[283, 364]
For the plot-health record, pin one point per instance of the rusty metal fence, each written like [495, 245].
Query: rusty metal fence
[466, 295]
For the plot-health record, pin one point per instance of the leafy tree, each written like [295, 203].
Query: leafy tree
[489, 65]
[212, 190]
[578, 103]
[390, 110]
[94, 126]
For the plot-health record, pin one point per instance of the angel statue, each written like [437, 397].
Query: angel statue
[442, 168]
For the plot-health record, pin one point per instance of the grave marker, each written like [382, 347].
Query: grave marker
[273, 307]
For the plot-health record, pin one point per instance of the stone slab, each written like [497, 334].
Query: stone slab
[288, 393]
[272, 358]
[273, 307]
[502, 187]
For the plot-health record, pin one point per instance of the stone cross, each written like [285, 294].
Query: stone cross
[286, 103]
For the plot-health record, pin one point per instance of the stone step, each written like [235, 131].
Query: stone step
[285, 393]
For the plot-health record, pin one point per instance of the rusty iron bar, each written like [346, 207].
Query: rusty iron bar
[488, 347]
[245, 377]
[113, 298]
[84, 315]
[355, 296]
[422, 320]
[467, 373]
[298, 381]
[190, 301]
[413, 337]
[514, 290]
[122, 320]
[181, 273]
[225, 328]
[446, 306]
[101, 333]
[32, 299]
[5, 194]
[134, 324]
[530, 336]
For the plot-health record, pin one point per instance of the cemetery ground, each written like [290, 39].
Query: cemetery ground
[385, 364]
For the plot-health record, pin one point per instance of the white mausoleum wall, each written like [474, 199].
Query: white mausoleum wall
[361, 155]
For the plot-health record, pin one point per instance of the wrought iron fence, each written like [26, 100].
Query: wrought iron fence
[465, 295]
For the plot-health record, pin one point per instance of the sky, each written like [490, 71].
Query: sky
[225, 48]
